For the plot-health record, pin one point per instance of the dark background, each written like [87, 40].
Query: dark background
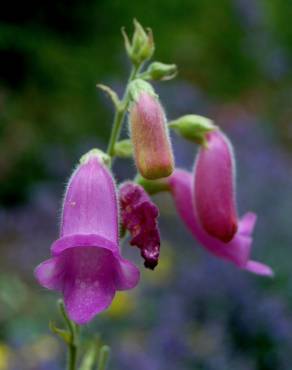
[193, 312]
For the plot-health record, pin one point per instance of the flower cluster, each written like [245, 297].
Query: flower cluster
[86, 263]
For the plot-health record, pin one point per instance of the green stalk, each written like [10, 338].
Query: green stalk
[104, 355]
[120, 114]
[73, 343]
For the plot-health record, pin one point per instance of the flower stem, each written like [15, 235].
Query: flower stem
[72, 357]
[73, 342]
[120, 114]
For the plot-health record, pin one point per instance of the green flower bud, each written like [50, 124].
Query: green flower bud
[160, 71]
[142, 46]
[193, 127]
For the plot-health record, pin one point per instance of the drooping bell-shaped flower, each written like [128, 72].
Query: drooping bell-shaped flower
[238, 249]
[149, 133]
[214, 187]
[139, 216]
[86, 264]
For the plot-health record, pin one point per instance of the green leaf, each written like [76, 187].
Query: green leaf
[90, 357]
[104, 355]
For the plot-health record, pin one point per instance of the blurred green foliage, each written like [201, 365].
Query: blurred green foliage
[236, 53]
[52, 53]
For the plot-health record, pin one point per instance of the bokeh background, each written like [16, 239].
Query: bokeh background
[194, 311]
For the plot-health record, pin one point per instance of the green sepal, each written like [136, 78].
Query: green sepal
[127, 42]
[142, 46]
[193, 127]
[124, 149]
[159, 72]
[112, 94]
[139, 86]
[65, 335]
[104, 158]
[153, 186]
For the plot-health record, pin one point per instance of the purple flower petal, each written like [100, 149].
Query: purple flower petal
[139, 216]
[88, 277]
[237, 250]
[259, 268]
[48, 275]
[89, 282]
[247, 223]
[86, 264]
[90, 205]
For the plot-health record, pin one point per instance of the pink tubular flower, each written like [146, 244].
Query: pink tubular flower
[139, 216]
[238, 249]
[86, 264]
[152, 148]
[214, 188]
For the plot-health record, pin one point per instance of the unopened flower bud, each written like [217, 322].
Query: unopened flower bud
[149, 134]
[193, 127]
[160, 71]
[142, 46]
[214, 187]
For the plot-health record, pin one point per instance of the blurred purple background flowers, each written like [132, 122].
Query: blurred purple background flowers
[194, 311]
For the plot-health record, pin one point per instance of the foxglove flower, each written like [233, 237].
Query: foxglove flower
[149, 134]
[214, 187]
[238, 249]
[86, 264]
[139, 216]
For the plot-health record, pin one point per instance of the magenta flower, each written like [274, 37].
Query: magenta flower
[149, 133]
[139, 216]
[86, 264]
[238, 249]
[214, 187]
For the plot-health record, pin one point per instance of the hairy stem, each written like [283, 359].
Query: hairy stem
[120, 114]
